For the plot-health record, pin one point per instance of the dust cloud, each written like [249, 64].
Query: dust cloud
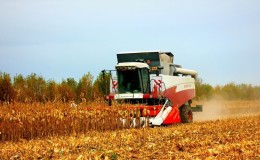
[220, 109]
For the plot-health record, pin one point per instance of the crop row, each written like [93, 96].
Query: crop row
[37, 120]
[29, 121]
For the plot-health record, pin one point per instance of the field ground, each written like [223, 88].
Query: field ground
[237, 138]
[232, 131]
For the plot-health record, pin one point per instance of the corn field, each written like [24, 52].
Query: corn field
[59, 131]
[30, 121]
[237, 138]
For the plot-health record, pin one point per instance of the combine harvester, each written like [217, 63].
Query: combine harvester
[162, 90]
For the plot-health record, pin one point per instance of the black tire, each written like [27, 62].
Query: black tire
[186, 114]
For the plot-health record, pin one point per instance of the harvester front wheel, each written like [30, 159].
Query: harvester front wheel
[186, 114]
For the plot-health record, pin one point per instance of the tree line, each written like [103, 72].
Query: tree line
[34, 88]
[230, 91]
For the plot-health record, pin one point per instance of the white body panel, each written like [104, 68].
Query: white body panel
[187, 72]
[163, 82]
[129, 96]
[167, 81]
[133, 64]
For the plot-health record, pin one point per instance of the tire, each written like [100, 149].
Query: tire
[186, 114]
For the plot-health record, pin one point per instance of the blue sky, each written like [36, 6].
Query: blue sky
[58, 39]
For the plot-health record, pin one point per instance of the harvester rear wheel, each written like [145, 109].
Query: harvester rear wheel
[186, 114]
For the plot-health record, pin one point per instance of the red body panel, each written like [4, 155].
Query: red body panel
[173, 116]
[111, 96]
[177, 99]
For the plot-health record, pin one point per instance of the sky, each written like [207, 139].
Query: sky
[60, 39]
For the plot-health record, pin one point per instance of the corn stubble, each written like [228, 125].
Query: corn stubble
[60, 132]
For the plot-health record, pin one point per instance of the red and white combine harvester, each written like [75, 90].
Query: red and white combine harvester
[162, 89]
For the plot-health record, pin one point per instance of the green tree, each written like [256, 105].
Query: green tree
[203, 91]
[257, 92]
[102, 84]
[19, 86]
[35, 87]
[85, 88]
[7, 92]
[72, 83]
[230, 91]
[51, 93]
[67, 90]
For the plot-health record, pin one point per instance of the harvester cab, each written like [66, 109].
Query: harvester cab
[151, 80]
[133, 77]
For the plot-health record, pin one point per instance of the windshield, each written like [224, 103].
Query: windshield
[133, 81]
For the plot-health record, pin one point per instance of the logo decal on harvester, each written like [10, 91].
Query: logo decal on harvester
[158, 82]
[114, 84]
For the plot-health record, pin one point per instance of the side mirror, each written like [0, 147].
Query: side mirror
[159, 68]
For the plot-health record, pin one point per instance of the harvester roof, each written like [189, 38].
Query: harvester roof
[133, 64]
[155, 57]
[152, 51]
